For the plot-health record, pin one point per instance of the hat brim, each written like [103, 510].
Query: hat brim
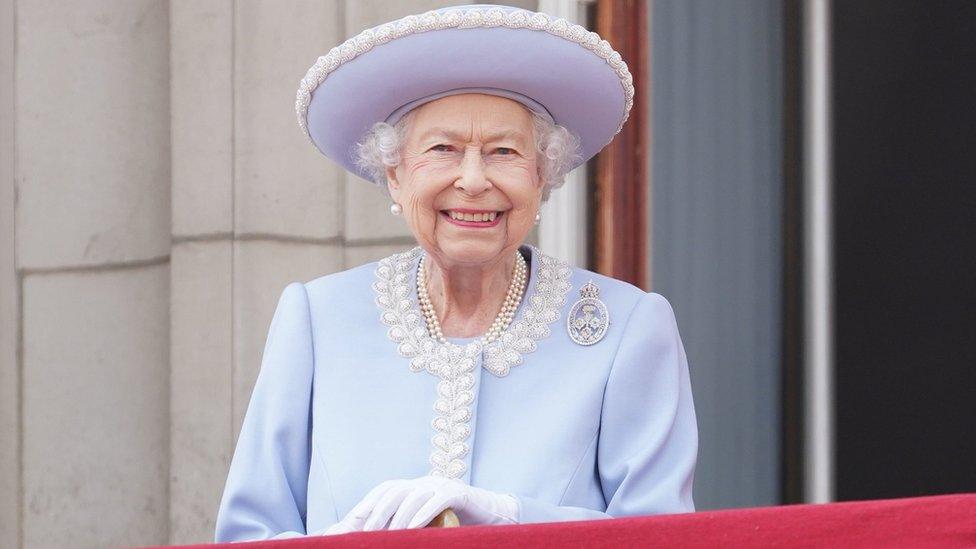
[576, 85]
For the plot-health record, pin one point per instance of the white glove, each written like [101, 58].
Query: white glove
[414, 503]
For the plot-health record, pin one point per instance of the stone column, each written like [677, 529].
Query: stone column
[92, 257]
[255, 207]
[202, 96]
[9, 295]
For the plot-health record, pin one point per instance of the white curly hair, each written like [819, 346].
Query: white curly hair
[558, 150]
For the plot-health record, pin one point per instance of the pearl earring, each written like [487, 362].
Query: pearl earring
[538, 217]
[396, 209]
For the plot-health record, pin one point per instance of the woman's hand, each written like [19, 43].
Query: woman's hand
[415, 502]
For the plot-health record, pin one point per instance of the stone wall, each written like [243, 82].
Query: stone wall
[156, 196]
[90, 155]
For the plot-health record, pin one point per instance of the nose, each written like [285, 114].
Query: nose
[472, 180]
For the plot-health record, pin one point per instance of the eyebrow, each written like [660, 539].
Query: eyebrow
[456, 136]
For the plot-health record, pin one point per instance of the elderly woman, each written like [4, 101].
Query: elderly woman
[473, 372]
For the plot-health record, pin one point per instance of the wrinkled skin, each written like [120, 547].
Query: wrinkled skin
[475, 152]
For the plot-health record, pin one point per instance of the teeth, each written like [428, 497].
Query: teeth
[480, 217]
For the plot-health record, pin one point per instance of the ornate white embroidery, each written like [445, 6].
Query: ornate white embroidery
[542, 309]
[464, 19]
[454, 364]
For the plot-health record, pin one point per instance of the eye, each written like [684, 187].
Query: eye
[441, 147]
[505, 151]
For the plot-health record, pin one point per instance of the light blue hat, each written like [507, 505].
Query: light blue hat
[553, 67]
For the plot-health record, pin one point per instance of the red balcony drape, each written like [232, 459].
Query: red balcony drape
[936, 521]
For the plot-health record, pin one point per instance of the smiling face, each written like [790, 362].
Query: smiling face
[468, 180]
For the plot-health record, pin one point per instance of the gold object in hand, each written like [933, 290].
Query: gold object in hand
[445, 519]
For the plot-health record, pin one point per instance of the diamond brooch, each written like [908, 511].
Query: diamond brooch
[589, 319]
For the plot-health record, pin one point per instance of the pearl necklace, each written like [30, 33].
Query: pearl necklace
[512, 299]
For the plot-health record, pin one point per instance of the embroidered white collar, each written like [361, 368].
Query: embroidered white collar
[396, 299]
[454, 363]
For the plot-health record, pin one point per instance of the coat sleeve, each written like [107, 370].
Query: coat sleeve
[648, 441]
[265, 494]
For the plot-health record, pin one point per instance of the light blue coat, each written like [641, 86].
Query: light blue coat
[574, 432]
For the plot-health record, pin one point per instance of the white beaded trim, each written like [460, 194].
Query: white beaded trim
[462, 19]
[455, 364]
[542, 309]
